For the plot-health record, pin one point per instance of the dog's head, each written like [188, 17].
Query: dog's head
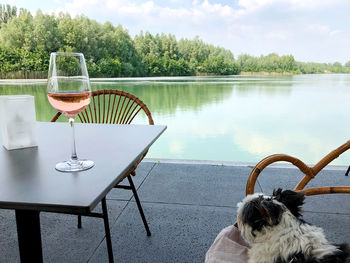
[259, 211]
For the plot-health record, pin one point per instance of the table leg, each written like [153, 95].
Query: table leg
[29, 237]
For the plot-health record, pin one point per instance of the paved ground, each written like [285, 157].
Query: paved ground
[186, 205]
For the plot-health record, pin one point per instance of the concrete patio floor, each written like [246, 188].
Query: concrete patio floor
[186, 205]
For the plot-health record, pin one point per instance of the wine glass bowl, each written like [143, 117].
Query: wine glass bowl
[70, 104]
[68, 91]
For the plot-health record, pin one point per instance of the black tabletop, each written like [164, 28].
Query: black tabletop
[28, 179]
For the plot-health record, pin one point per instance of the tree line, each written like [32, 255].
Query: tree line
[26, 42]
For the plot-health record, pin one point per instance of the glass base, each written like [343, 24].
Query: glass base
[74, 166]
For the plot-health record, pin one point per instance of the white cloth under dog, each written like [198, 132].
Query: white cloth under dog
[228, 247]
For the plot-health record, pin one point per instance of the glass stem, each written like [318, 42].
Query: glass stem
[74, 157]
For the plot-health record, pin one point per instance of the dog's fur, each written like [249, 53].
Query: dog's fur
[273, 226]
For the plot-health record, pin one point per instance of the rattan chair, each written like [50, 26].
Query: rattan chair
[309, 172]
[115, 107]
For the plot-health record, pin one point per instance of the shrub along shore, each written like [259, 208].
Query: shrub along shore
[26, 42]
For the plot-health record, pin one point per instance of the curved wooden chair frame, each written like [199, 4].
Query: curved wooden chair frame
[114, 107]
[309, 172]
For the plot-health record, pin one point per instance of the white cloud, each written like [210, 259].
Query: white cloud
[218, 9]
[198, 12]
[336, 33]
[255, 4]
[312, 4]
[318, 28]
[293, 4]
[279, 35]
[176, 147]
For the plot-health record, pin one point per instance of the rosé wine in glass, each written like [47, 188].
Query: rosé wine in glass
[69, 104]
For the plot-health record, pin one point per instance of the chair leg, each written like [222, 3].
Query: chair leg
[79, 221]
[139, 205]
[347, 172]
[108, 233]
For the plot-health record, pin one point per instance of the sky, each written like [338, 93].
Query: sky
[311, 30]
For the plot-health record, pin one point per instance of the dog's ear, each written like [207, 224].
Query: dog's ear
[270, 212]
[292, 200]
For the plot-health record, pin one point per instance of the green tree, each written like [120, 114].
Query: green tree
[45, 31]
[6, 12]
[110, 67]
[18, 32]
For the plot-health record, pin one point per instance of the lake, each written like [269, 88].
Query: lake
[231, 118]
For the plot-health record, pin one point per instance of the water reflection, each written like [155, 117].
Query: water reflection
[240, 118]
[166, 97]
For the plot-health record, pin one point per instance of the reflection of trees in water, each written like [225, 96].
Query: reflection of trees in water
[264, 88]
[162, 97]
[165, 99]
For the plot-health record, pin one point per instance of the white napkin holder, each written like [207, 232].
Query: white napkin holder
[18, 121]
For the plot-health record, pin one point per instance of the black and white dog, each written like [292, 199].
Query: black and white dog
[277, 234]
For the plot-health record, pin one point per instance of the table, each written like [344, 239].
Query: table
[30, 184]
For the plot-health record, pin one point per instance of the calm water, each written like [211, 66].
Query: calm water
[238, 118]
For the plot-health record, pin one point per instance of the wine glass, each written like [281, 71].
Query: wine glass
[68, 91]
